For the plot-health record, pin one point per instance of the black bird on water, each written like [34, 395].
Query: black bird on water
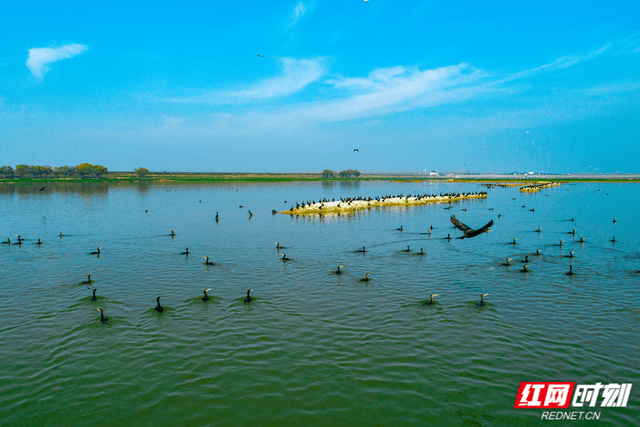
[102, 318]
[538, 252]
[614, 220]
[407, 250]
[514, 241]
[284, 257]
[159, 308]
[248, 298]
[469, 232]
[526, 259]
[570, 254]
[96, 252]
[366, 278]
[581, 240]
[507, 263]
[421, 252]
[207, 262]
[173, 233]
[278, 247]
[250, 214]
[94, 298]
[88, 281]
[20, 239]
[612, 240]
[481, 302]
[39, 242]
[205, 298]
[431, 301]
[524, 269]
[338, 270]
[448, 237]
[186, 252]
[539, 230]
[570, 272]
[399, 229]
[363, 250]
[8, 242]
[572, 232]
[216, 216]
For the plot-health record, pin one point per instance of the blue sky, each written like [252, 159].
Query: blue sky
[180, 86]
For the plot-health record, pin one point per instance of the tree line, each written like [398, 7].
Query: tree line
[83, 170]
[349, 173]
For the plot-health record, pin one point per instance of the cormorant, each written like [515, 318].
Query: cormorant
[88, 281]
[468, 232]
[278, 247]
[338, 270]
[363, 250]
[581, 240]
[526, 259]
[570, 254]
[524, 269]
[284, 257]
[97, 252]
[248, 298]
[448, 236]
[366, 278]
[159, 308]
[240, 206]
[94, 298]
[481, 302]
[20, 239]
[431, 301]
[39, 242]
[399, 229]
[205, 298]
[216, 216]
[507, 263]
[572, 232]
[538, 252]
[539, 230]
[207, 262]
[407, 250]
[560, 244]
[570, 273]
[514, 241]
[8, 242]
[250, 214]
[612, 240]
[186, 252]
[614, 220]
[102, 318]
[173, 233]
[421, 252]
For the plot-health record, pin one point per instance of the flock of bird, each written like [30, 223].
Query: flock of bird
[467, 231]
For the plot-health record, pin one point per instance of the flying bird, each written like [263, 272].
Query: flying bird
[469, 232]
[355, 149]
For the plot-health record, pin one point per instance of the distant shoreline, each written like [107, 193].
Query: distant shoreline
[195, 177]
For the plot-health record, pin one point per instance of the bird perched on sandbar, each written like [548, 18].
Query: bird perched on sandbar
[469, 232]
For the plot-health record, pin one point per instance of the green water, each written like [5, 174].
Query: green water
[312, 348]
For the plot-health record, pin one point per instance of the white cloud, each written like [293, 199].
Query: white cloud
[40, 57]
[296, 74]
[298, 11]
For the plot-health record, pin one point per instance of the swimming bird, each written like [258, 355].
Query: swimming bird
[97, 252]
[186, 252]
[248, 298]
[159, 308]
[526, 259]
[284, 257]
[614, 220]
[570, 272]
[537, 252]
[570, 254]
[514, 241]
[250, 214]
[448, 237]
[407, 250]
[94, 298]
[524, 269]
[581, 240]
[88, 281]
[278, 247]
[338, 270]
[572, 232]
[468, 232]
[363, 250]
[240, 206]
[366, 278]
[431, 301]
[539, 230]
[20, 239]
[173, 233]
[205, 298]
[481, 302]
[39, 242]
[102, 318]
[8, 242]
[612, 240]
[207, 262]
[399, 229]
[216, 216]
[507, 263]
[421, 252]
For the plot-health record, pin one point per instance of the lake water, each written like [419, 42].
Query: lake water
[312, 348]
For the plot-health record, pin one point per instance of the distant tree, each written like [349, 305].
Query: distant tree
[142, 172]
[85, 169]
[327, 173]
[6, 171]
[65, 171]
[349, 173]
[356, 173]
[23, 170]
[100, 170]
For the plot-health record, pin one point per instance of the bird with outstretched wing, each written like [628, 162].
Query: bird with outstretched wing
[468, 231]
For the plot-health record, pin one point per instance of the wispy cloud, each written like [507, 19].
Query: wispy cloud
[298, 11]
[296, 74]
[40, 57]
